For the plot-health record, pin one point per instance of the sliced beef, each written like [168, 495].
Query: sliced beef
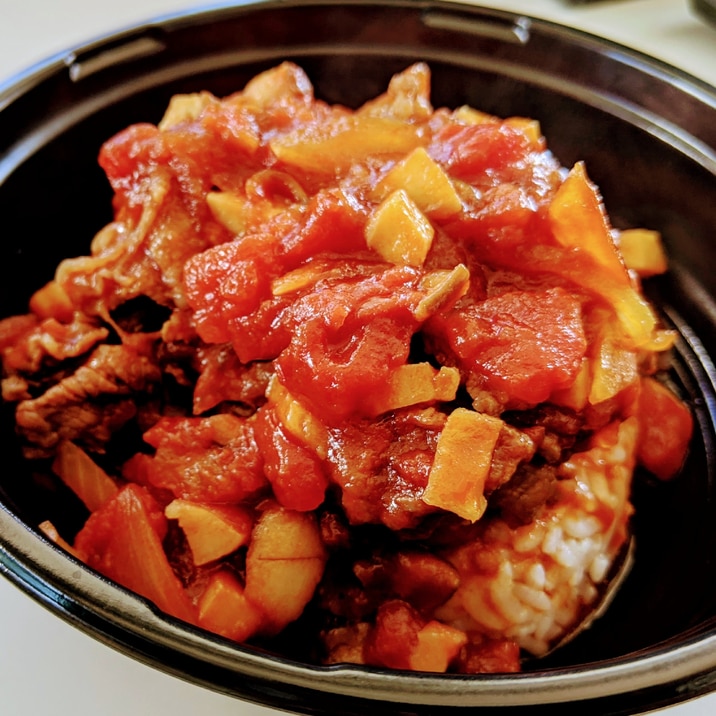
[89, 405]
[529, 489]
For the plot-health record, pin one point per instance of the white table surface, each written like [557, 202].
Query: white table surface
[48, 667]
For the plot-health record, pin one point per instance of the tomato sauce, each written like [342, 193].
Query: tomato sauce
[400, 342]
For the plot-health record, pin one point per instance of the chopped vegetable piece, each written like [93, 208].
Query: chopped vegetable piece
[425, 182]
[228, 209]
[462, 463]
[580, 224]
[83, 476]
[416, 383]
[399, 231]
[666, 427]
[438, 645]
[297, 419]
[284, 564]
[185, 107]
[334, 146]
[123, 541]
[643, 251]
[614, 367]
[224, 609]
[212, 531]
[443, 290]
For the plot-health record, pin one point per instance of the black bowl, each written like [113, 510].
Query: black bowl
[648, 135]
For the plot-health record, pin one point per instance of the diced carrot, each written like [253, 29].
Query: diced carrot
[284, 565]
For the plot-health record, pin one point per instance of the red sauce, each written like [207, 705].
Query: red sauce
[349, 292]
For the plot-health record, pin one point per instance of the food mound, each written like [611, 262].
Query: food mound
[362, 386]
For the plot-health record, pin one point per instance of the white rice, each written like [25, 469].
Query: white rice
[548, 575]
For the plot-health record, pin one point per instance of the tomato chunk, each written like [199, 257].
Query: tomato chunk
[468, 152]
[523, 343]
[123, 541]
[296, 475]
[347, 339]
[212, 459]
[665, 429]
[394, 637]
[227, 281]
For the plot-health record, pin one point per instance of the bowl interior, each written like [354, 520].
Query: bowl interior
[646, 134]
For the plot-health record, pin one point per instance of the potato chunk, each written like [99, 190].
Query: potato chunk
[643, 251]
[416, 383]
[425, 182]
[224, 608]
[462, 463]
[284, 564]
[438, 644]
[399, 231]
[212, 531]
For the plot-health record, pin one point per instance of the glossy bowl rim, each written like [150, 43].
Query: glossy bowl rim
[129, 623]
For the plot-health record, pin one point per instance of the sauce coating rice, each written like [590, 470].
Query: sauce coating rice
[361, 386]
